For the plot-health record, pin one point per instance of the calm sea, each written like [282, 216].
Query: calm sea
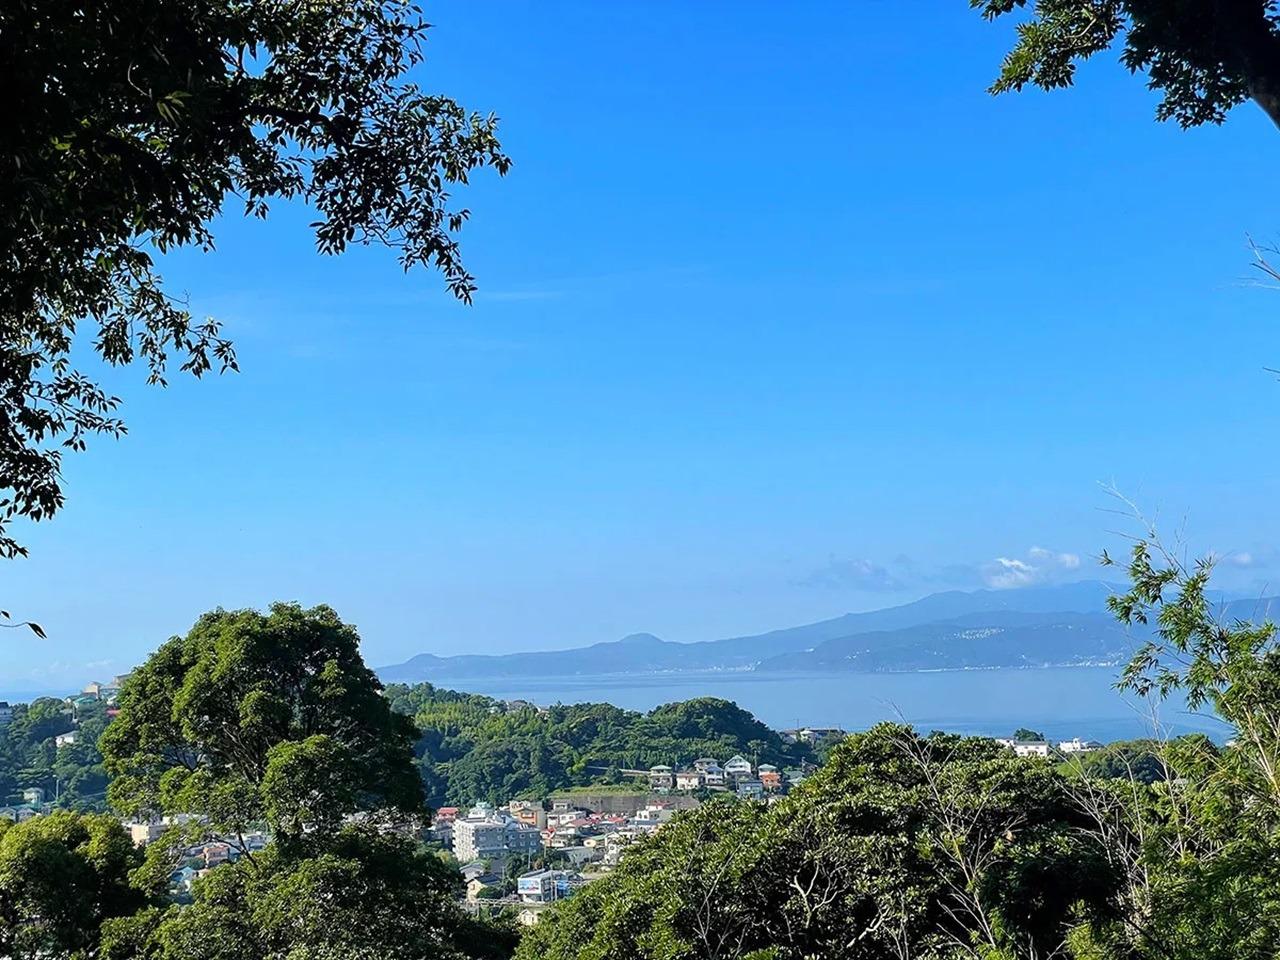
[1060, 702]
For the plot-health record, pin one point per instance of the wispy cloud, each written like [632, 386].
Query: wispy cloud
[853, 574]
[1037, 565]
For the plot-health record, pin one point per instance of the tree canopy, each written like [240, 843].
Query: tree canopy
[900, 846]
[133, 123]
[260, 718]
[1204, 56]
[61, 877]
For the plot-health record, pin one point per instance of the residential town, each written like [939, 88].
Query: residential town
[525, 854]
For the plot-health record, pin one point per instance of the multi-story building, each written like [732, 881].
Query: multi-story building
[6, 713]
[493, 838]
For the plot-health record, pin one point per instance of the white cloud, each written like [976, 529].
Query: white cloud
[1040, 566]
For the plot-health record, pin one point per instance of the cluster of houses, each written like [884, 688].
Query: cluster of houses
[198, 859]
[487, 839]
[1043, 748]
[737, 775]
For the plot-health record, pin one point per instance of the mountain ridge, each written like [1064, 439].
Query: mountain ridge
[1057, 625]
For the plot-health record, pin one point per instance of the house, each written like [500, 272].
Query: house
[795, 775]
[689, 780]
[1031, 748]
[472, 870]
[661, 778]
[6, 713]
[750, 789]
[64, 739]
[769, 776]
[33, 796]
[93, 689]
[706, 763]
[653, 815]
[215, 852]
[143, 833]
[738, 766]
[478, 884]
[528, 812]
[1076, 745]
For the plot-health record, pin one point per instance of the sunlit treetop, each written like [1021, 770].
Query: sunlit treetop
[130, 124]
[1204, 56]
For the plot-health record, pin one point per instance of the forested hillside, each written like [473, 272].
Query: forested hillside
[29, 757]
[473, 747]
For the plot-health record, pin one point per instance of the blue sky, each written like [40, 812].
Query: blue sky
[781, 316]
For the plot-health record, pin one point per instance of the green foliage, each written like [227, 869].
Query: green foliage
[61, 877]
[1205, 56]
[899, 846]
[353, 894]
[1201, 847]
[1027, 734]
[260, 718]
[1139, 760]
[129, 131]
[475, 748]
[71, 776]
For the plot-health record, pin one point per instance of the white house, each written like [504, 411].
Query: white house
[689, 780]
[1076, 745]
[738, 766]
[64, 739]
[661, 777]
[1031, 748]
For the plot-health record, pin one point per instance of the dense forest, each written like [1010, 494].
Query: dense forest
[72, 775]
[473, 747]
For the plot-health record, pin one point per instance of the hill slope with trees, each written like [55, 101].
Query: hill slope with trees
[473, 747]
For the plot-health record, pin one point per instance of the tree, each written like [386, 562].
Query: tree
[273, 720]
[356, 894]
[1207, 834]
[61, 876]
[900, 846]
[261, 718]
[130, 129]
[1204, 56]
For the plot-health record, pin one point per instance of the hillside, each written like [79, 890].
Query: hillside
[476, 748]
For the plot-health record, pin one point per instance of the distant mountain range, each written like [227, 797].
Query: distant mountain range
[1062, 625]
